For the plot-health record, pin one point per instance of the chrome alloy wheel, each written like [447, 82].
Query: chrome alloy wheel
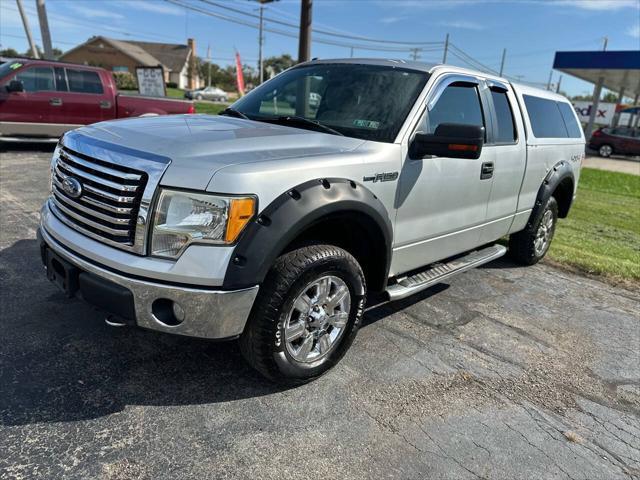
[605, 151]
[543, 235]
[317, 319]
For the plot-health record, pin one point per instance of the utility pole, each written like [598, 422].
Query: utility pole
[304, 42]
[209, 64]
[415, 54]
[549, 81]
[351, 52]
[261, 40]
[446, 49]
[44, 30]
[559, 83]
[504, 56]
[27, 30]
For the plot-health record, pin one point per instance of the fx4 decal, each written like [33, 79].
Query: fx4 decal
[381, 177]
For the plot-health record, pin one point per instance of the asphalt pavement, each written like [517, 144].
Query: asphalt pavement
[503, 373]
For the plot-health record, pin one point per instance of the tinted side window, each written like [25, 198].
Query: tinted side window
[545, 117]
[506, 132]
[36, 79]
[570, 120]
[83, 81]
[457, 104]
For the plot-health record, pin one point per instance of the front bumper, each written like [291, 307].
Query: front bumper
[207, 313]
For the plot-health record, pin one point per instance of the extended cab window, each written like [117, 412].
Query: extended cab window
[36, 79]
[545, 117]
[570, 121]
[505, 131]
[84, 81]
[457, 104]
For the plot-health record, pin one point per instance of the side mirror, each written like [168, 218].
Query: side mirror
[15, 86]
[449, 140]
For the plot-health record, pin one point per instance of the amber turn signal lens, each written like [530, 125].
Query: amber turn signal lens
[240, 213]
[464, 148]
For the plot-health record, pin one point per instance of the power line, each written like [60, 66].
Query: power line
[288, 34]
[316, 30]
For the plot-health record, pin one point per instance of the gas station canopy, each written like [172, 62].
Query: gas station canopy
[619, 70]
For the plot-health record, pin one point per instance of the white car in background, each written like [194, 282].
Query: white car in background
[208, 93]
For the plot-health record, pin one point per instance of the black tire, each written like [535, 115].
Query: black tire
[522, 246]
[262, 342]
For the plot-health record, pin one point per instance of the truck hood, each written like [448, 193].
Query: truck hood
[200, 145]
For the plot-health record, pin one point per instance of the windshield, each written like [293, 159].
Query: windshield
[369, 102]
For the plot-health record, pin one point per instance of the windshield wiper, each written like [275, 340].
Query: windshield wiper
[232, 112]
[296, 120]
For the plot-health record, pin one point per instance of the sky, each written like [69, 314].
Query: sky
[530, 30]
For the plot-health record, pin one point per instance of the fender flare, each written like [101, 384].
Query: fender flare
[290, 214]
[558, 173]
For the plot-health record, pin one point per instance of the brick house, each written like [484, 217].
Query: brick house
[126, 55]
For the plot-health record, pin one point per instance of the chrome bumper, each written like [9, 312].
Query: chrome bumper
[208, 313]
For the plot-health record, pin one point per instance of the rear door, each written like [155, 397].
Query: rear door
[441, 201]
[506, 149]
[86, 99]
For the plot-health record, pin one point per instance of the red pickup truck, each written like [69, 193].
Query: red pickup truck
[43, 99]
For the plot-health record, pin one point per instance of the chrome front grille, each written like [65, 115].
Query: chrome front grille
[108, 204]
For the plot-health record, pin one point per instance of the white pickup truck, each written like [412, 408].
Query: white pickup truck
[271, 222]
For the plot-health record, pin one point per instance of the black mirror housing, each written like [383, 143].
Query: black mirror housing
[449, 140]
[15, 86]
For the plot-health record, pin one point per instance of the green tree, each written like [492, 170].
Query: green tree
[278, 64]
[9, 52]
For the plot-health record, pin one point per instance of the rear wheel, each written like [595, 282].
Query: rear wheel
[199, 97]
[530, 245]
[605, 151]
[306, 314]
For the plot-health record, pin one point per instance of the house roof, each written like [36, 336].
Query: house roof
[171, 56]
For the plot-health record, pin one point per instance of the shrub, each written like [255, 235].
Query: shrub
[172, 85]
[125, 81]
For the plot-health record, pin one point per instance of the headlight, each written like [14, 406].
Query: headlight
[182, 218]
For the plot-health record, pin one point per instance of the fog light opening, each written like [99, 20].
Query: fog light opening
[168, 312]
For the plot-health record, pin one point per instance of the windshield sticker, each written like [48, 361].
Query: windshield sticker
[14, 66]
[367, 124]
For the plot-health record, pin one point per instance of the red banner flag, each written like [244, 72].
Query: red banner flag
[239, 75]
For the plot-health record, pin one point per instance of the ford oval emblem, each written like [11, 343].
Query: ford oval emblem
[72, 187]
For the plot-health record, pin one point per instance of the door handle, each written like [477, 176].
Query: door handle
[105, 104]
[55, 102]
[486, 171]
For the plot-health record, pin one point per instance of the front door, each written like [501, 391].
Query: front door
[28, 112]
[442, 202]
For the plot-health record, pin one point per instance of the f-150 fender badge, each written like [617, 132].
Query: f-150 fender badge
[381, 177]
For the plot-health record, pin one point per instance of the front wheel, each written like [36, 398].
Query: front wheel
[306, 314]
[531, 244]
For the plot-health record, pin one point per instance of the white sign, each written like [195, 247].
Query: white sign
[604, 115]
[151, 81]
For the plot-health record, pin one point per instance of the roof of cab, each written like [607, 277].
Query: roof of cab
[42, 61]
[435, 67]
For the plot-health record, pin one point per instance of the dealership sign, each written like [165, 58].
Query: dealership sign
[151, 81]
[604, 113]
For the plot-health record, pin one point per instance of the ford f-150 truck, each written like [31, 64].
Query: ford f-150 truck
[272, 222]
[42, 99]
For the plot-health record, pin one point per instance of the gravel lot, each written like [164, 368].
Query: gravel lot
[504, 373]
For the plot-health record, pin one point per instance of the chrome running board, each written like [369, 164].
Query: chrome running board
[439, 272]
